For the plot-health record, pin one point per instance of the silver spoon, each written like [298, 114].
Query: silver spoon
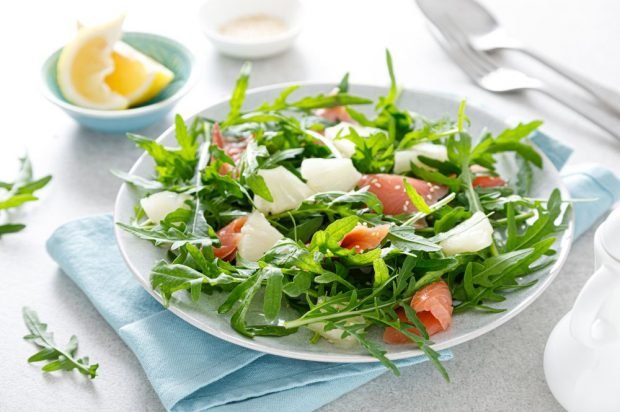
[483, 32]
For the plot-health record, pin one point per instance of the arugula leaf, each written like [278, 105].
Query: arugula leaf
[29, 187]
[331, 277]
[327, 241]
[203, 159]
[301, 282]
[303, 232]
[171, 167]
[273, 295]
[382, 273]
[461, 117]
[341, 98]
[451, 218]
[16, 201]
[288, 254]
[497, 265]
[327, 101]
[415, 321]
[423, 344]
[371, 347]
[508, 140]
[459, 152]
[495, 275]
[360, 118]
[435, 177]
[361, 196]
[11, 228]
[406, 239]
[176, 230]
[363, 259]
[434, 207]
[397, 123]
[280, 102]
[245, 292]
[24, 183]
[282, 155]
[393, 94]
[426, 130]
[445, 167]
[416, 199]
[257, 184]
[343, 86]
[542, 228]
[15, 194]
[57, 358]
[174, 165]
[187, 142]
[373, 154]
[462, 228]
[249, 167]
[338, 229]
[169, 278]
[221, 195]
[238, 94]
[138, 181]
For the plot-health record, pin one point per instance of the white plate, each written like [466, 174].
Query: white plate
[140, 255]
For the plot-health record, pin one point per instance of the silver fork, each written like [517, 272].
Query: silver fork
[488, 75]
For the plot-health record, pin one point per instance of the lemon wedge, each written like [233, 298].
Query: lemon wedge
[136, 76]
[84, 64]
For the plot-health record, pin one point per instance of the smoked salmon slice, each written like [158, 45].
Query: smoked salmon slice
[363, 238]
[216, 136]
[391, 192]
[433, 306]
[234, 150]
[229, 238]
[394, 337]
[488, 181]
[484, 179]
[436, 299]
[335, 114]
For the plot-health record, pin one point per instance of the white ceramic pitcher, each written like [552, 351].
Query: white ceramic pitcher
[582, 357]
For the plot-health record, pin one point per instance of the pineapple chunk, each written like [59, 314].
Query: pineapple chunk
[287, 191]
[325, 175]
[257, 237]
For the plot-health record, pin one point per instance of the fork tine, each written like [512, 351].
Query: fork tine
[452, 34]
[471, 70]
[454, 47]
[462, 39]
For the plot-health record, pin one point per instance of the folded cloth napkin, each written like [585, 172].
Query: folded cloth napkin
[193, 371]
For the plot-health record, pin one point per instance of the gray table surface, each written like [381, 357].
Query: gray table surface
[501, 371]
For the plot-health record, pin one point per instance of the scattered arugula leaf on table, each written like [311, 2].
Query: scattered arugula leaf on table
[57, 358]
[18, 192]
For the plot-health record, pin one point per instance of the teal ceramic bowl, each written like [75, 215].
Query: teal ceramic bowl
[166, 51]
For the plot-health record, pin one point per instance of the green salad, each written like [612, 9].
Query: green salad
[353, 222]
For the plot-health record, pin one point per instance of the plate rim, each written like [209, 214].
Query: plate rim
[555, 269]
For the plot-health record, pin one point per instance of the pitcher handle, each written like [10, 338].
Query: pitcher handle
[588, 306]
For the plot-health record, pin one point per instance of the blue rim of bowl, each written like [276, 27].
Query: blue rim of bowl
[146, 108]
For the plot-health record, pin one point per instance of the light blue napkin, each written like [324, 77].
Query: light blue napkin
[193, 371]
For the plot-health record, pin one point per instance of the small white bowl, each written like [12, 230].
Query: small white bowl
[215, 13]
